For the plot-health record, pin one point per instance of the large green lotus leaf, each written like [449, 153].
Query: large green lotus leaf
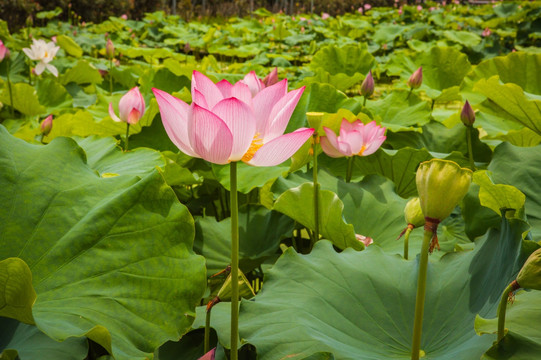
[111, 258]
[331, 223]
[260, 232]
[322, 98]
[374, 209]
[18, 295]
[509, 102]
[477, 218]
[104, 155]
[19, 341]
[53, 96]
[249, 177]
[359, 305]
[399, 166]
[82, 124]
[520, 68]
[340, 81]
[465, 38]
[80, 96]
[82, 73]
[523, 137]
[521, 168]
[69, 46]
[25, 99]
[498, 197]
[522, 341]
[398, 112]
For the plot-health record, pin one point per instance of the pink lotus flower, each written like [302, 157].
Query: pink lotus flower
[355, 138]
[419, 8]
[46, 125]
[325, 16]
[124, 16]
[367, 6]
[486, 32]
[228, 122]
[416, 79]
[3, 51]
[360, 10]
[367, 87]
[131, 107]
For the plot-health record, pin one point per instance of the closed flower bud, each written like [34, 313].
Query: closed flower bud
[467, 115]
[4, 52]
[110, 49]
[46, 125]
[413, 213]
[367, 87]
[529, 276]
[271, 78]
[416, 79]
[441, 185]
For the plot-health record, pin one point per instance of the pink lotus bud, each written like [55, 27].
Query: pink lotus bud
[46, 125]
[124, 16]
[367, 6]
[131, 107]
[4, 52]
[325, 16]
[53, 39]
[209, 356]
[271, 78]
[486, 32]
[419, 8]
[400, 11]
[360, 10]
[416, 79]
[110, 49]
[367, 87]
[467, 115]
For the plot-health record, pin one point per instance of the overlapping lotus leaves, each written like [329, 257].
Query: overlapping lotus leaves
[359, 304]
[110, 257]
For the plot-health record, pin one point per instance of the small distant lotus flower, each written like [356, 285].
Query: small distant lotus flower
[302, 29]
[355, 138]
[419, 8]
[3, 51]
[325, 16]
[227, 122]
[131, 107]
[110, 49]
[44, 53]
[360, 10]
[271, 78]
[400, 11]
[416, 79]
[53, 39]
[367, 6]
[486, 32]
[302, 19]
[467, 115]
[364, 239]
[46, 125]
[367, 87]
[124, 16]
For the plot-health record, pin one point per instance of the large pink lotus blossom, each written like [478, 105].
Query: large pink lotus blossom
[131, 107]
[227, 122]
[355, 138]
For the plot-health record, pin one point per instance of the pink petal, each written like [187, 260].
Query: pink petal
[239, 118]
[225, 88]
[374, 145]
[265, 100]
[353, 139]
[134, 116]
[254, 83]
[209, 136]
[131, 100]
[242, 92]
[332, 140]
[328, 149]
[199, 99]
[280, 114]
[281, 148]
[175, 114]
[210, 91]
[112, 113]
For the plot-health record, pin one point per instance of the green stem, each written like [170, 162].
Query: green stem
[502, 307]
[127, 136]
[469, 134]
[234, 261]
[207, 332]
[406, 243]
[349, 171]
[9, 88]
[110, 76]
[432, 106]
[316, 190]
[409, 94]
[420, 298]
[364, 102]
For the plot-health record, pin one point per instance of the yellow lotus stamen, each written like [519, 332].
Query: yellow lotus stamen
[257, 142]
[363, 148]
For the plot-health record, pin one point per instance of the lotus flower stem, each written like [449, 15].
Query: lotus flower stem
[9, 87]
[364, 101]
[502, 307]
[406, 242]
[409, 93]
[207, 331]
[127, 136]
[421, 292]
[470, 147]
[349, 171]
[315, 140]
[110, 76]
[234, 261]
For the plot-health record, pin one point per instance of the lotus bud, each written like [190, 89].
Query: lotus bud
[416, 79]
[529, 276]
[441, 184]
[211, 355]
[367, 87]
[413, 213]
[271, 78]
[46, 125]
[315, 119]
[467, 115]
[110, 49]
[131, 107]
[4, 52]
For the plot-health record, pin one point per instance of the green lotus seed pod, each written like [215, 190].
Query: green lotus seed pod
[529, 276]
[413, 213]
[315, 119]
[441, 185]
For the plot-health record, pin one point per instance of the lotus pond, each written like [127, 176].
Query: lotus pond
[371, 182]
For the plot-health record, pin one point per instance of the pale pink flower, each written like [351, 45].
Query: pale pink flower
[44, 53]
[227, 122]
[360, 10]
[486, 32]
[367, 7]
[419, 8]
[355, 138]
[302, 18]
[53, 39]
[3, 51]
[124, 16]
[400, 11]
[325, 16]
[131, 107]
